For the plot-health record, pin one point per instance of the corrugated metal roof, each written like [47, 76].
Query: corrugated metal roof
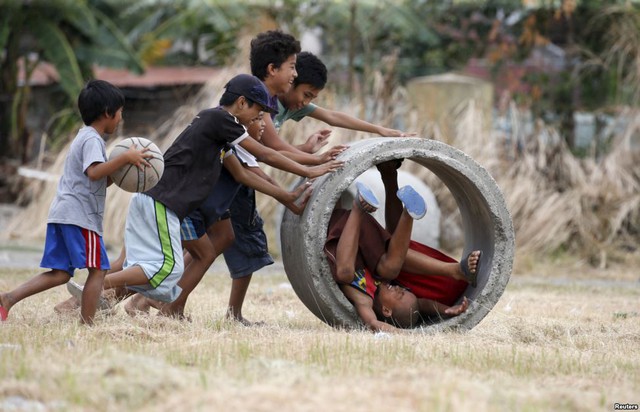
[45, 74]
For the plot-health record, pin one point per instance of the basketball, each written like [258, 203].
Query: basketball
[132, 178]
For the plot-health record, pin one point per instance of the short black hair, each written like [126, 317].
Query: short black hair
[310, 70]
[271, 47]
[97, 98]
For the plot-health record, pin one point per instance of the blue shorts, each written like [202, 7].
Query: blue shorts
[214, 208]
[250, 251]
[70, 247]
[194, 226]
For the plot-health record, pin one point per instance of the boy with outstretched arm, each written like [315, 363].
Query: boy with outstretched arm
[74, 226]
[296, 104]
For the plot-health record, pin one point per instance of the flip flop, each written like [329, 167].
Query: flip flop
[472, 278]
[366, 197]
[76, 291]
[413, 202]
[3, 314]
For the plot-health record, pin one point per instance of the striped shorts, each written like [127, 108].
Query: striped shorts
[70, 247]
[152, 241]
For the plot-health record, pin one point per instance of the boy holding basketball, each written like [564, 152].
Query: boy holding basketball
[74, 226]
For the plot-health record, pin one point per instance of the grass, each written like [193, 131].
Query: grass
[545, 346]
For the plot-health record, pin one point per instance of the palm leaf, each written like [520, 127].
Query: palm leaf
[4, 30]
[81, 17]
[121, 52]
[58, 51]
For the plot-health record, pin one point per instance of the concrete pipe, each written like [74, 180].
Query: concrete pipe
[486, 223]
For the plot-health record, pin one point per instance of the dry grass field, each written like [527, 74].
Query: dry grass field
[553, 342]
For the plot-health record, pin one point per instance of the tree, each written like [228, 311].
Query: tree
[182, 32]
[69, 34]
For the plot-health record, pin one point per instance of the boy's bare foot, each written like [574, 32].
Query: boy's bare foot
[458, 309]
[248, 323]
[243, 321]
[470, 267]
[177, 315]
[170, 311]
[137, 305]
[68, 306]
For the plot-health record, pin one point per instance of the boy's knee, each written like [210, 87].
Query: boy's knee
[388, 270]
[222, 238]
[203, 254]
[227, 240]
[60, 276]
[208, 257]
[344, 275]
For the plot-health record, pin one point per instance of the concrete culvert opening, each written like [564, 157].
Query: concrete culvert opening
[486, 223]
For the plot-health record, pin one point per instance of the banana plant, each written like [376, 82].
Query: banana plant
[72, 35]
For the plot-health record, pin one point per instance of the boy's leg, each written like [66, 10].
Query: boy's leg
[222, 236]
[202, 256]
[36, 284]
[91, 295]
[249, 252]
[422, 264]
[239, 287]
[392, 261]
[73, 303]
[131, 276]
[392, 206]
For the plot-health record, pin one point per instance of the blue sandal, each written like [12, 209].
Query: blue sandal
[413, 202]
[366, 197]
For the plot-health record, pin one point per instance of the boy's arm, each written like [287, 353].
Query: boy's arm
[273, 158]
[339, 119]
[316, 141]
[254, 181]
[133, 156]
[262, 174]
[364, 308]
[271, 139]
